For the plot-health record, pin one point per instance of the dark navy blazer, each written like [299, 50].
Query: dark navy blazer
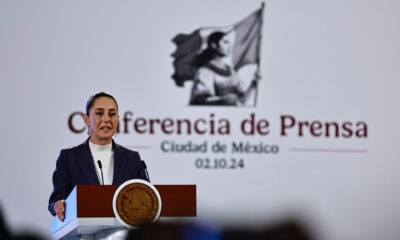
[75, 166]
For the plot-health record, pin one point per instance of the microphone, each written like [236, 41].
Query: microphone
[145, 170]
[101, 170]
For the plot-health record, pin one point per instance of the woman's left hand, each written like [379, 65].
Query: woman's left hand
[256, 78]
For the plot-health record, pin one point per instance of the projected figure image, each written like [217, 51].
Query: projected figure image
[99, 160]
[216, 82]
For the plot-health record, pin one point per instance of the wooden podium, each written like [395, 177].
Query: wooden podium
[89, 208]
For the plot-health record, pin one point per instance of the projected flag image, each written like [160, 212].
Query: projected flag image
[212, 57]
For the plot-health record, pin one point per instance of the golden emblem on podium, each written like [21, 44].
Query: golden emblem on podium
[136, 202]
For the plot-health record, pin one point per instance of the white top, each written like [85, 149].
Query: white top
[214, 83]
[105, 154]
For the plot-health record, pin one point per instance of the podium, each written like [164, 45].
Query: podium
[89, 209]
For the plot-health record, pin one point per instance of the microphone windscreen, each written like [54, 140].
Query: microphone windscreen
[99, 162]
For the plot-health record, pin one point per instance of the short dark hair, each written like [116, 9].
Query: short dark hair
[90, 101]
[209, 53]
[215, 37]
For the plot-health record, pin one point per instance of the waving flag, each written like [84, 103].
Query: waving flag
[246, 35]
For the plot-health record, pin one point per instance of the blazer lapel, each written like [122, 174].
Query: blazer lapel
[86, 164]
[120, 162]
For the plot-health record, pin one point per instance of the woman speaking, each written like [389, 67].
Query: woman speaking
[99, 160]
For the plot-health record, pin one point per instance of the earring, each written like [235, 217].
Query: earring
[88, 131]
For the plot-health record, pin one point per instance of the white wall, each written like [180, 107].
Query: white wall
[321, 60]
